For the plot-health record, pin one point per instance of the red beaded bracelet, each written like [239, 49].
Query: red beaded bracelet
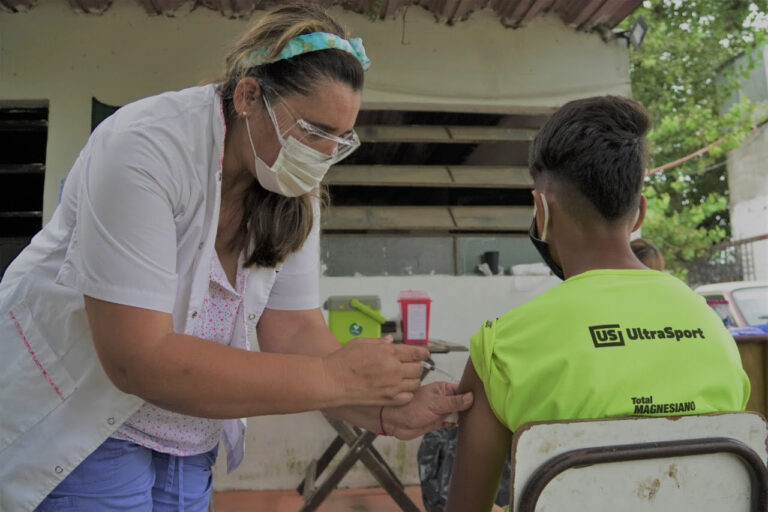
[381, 423]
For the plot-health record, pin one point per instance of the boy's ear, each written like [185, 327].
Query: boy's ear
[538, 210]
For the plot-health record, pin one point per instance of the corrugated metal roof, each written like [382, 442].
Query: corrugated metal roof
[580, 14]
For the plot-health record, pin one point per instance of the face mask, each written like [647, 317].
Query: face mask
[540, 243]
[297, 170]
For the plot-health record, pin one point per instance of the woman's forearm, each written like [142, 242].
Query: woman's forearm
[433, 406]
[142, 355]
[197, 377]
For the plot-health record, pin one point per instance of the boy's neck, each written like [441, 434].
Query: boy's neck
[580, 254]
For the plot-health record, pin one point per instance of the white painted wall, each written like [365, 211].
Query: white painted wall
[748, 186]
[280, 447]
[54, 54]
[51, 53]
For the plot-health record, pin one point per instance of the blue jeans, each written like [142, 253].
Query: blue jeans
[123, 476]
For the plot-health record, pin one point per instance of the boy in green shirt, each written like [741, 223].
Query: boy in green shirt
[615, 338]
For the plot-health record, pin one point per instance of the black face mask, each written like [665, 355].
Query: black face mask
[543, 248]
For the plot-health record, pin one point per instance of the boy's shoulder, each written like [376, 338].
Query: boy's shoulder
[605, 288]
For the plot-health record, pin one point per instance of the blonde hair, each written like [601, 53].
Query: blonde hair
[274, 226]
[297, 75]
[273, 32]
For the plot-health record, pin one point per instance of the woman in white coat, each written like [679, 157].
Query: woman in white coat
[188, 229]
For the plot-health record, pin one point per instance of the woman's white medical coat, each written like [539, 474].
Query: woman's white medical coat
[136, 226]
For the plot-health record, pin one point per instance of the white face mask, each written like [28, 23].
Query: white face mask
[298, 169]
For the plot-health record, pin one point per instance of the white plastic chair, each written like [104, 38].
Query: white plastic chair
[701, 463]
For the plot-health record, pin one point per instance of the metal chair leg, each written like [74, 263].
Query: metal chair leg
[376, 464]
[322, 462]
[322, 491]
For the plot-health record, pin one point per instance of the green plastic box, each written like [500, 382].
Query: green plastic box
[354, 316]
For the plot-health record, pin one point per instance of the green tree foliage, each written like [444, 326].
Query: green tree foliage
[683, 74]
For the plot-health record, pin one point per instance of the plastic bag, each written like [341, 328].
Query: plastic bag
[436, 453]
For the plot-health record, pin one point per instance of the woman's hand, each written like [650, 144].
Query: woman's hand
[374, 372]
[434, 406]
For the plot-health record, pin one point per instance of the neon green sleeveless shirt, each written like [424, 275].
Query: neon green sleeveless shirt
[609, 343]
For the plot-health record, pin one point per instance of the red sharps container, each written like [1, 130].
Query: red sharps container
[414, 308]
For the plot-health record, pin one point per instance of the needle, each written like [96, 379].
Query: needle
[433, 368]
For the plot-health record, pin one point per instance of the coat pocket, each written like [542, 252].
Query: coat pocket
[33, 381]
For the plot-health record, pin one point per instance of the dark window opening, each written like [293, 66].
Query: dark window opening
[100, 111]
[23, 138]
[428, 196]
[437, 160]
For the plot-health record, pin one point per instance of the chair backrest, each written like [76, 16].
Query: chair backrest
[702, 463]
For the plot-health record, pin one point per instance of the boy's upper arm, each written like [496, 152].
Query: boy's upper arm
[482, 450]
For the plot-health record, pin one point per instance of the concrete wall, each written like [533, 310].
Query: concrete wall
[748, 169]
[755, 85]
[748, 185]
[51, 53]
[55, 54]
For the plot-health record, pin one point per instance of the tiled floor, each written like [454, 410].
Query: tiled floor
[347, 500]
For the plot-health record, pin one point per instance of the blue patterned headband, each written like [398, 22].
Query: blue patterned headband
[311, 43]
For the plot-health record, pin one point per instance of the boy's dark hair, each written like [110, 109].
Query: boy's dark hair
[598, 146]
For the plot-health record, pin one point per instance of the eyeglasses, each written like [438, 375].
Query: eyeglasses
[288, 123]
